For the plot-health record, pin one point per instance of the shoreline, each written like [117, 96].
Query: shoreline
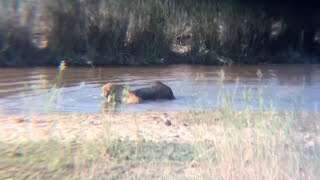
[307, 60]
[187, 144]
[155, 126]
[67, 127]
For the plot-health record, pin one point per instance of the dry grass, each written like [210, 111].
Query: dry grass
[272, 146]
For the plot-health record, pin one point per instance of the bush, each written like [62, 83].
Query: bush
[144, 32]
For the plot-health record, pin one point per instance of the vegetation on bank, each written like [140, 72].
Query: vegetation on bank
[145, 32]
[265, 149]
[225, 144]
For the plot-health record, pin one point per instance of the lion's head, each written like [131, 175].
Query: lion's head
[118, 93]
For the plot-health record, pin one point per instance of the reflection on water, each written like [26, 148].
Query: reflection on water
[29, 90]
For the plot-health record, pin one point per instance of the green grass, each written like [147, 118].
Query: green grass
[71, 160]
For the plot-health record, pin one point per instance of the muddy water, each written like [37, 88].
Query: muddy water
[281, 87]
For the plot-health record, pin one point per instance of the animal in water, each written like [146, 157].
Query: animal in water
[119, 93]
[157, 90]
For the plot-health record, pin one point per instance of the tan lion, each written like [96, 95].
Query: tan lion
[118, 93]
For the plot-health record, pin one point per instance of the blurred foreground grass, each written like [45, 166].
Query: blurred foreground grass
[224, 145]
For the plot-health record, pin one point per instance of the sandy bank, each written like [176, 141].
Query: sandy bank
[175, 126]
[154, 126]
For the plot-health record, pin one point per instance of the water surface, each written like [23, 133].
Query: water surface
[284, 87]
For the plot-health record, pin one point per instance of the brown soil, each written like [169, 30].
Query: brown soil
[154, 126]
[148, 126]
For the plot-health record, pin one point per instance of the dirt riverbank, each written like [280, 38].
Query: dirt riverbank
[175, 126]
